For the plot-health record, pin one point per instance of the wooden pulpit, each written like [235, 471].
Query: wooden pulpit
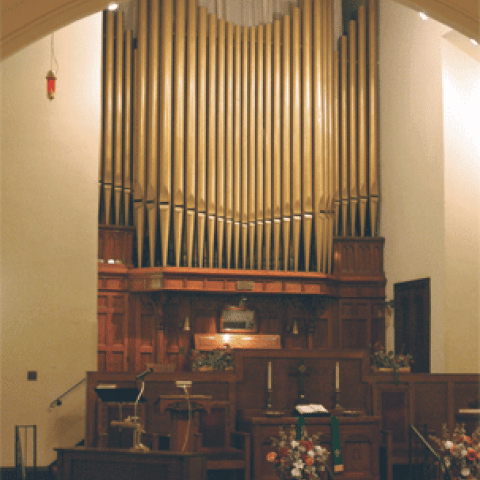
[183, 432]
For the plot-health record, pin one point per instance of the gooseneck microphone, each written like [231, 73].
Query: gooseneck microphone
[142, 375]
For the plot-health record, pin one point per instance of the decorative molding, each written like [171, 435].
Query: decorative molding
[358, 273]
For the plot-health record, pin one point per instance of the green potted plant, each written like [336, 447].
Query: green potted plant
[383, 361]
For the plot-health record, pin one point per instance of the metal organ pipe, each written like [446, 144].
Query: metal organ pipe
[258, 143]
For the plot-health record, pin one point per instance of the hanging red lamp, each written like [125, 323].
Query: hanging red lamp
[51, 84]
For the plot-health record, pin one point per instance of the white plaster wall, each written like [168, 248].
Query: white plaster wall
[49, 182]
[461, 93]
[412, 213]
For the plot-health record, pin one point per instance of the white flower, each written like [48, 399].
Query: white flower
[311, 453]
[448, 444]
[299, 464]
[447, 462]
[464, 452]
[295, 444]
[465, 472]
[296, 472]
[318, 450]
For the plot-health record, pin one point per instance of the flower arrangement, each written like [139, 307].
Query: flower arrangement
[382, 359]
[460, 453]
[221, 359]
[294, 458]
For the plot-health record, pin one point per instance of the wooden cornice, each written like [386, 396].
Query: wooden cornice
[357, 272]
[196, 280]
[247, 281]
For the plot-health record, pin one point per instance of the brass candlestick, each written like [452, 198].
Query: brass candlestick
[269, 401]
[338, 407]
[269, 411]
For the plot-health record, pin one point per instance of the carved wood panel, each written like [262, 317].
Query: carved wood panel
[355, 323]
[113, 338]
[357, 454]
[115, 244]
[427, 395]
[392, 404]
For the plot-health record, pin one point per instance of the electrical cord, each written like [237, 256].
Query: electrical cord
[185, 388]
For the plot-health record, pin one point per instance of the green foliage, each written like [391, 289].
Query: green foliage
[221, 359]
[382, 359]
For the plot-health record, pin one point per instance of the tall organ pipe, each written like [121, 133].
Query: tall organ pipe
[259, 143]
[140, 128]
[118, 132]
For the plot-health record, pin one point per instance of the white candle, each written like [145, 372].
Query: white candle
[269, 376]
[337, 376]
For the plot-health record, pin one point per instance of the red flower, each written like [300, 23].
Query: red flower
[283, 452]
[306, 444]
[472, 454]
[271, 456]
[309, 461]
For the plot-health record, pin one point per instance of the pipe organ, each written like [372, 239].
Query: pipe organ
[229, 146]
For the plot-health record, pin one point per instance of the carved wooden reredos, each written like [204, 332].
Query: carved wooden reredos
[239, 147]
[141, 311]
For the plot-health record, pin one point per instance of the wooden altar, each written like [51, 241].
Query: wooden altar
[360, 440]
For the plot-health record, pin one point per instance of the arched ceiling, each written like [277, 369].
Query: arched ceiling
[24, 21]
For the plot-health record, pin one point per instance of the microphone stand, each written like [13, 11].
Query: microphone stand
[137, 432]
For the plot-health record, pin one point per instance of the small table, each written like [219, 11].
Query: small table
[184, 428]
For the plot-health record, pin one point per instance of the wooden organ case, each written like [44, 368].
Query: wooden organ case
[240, 167]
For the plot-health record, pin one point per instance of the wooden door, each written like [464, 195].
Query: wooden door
[412, 322]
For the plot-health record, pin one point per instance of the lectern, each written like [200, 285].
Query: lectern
[121, 397]
[184, 414]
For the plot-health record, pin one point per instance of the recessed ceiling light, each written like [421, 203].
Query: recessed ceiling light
[474, 41]
[113, 6]
[423, 16]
